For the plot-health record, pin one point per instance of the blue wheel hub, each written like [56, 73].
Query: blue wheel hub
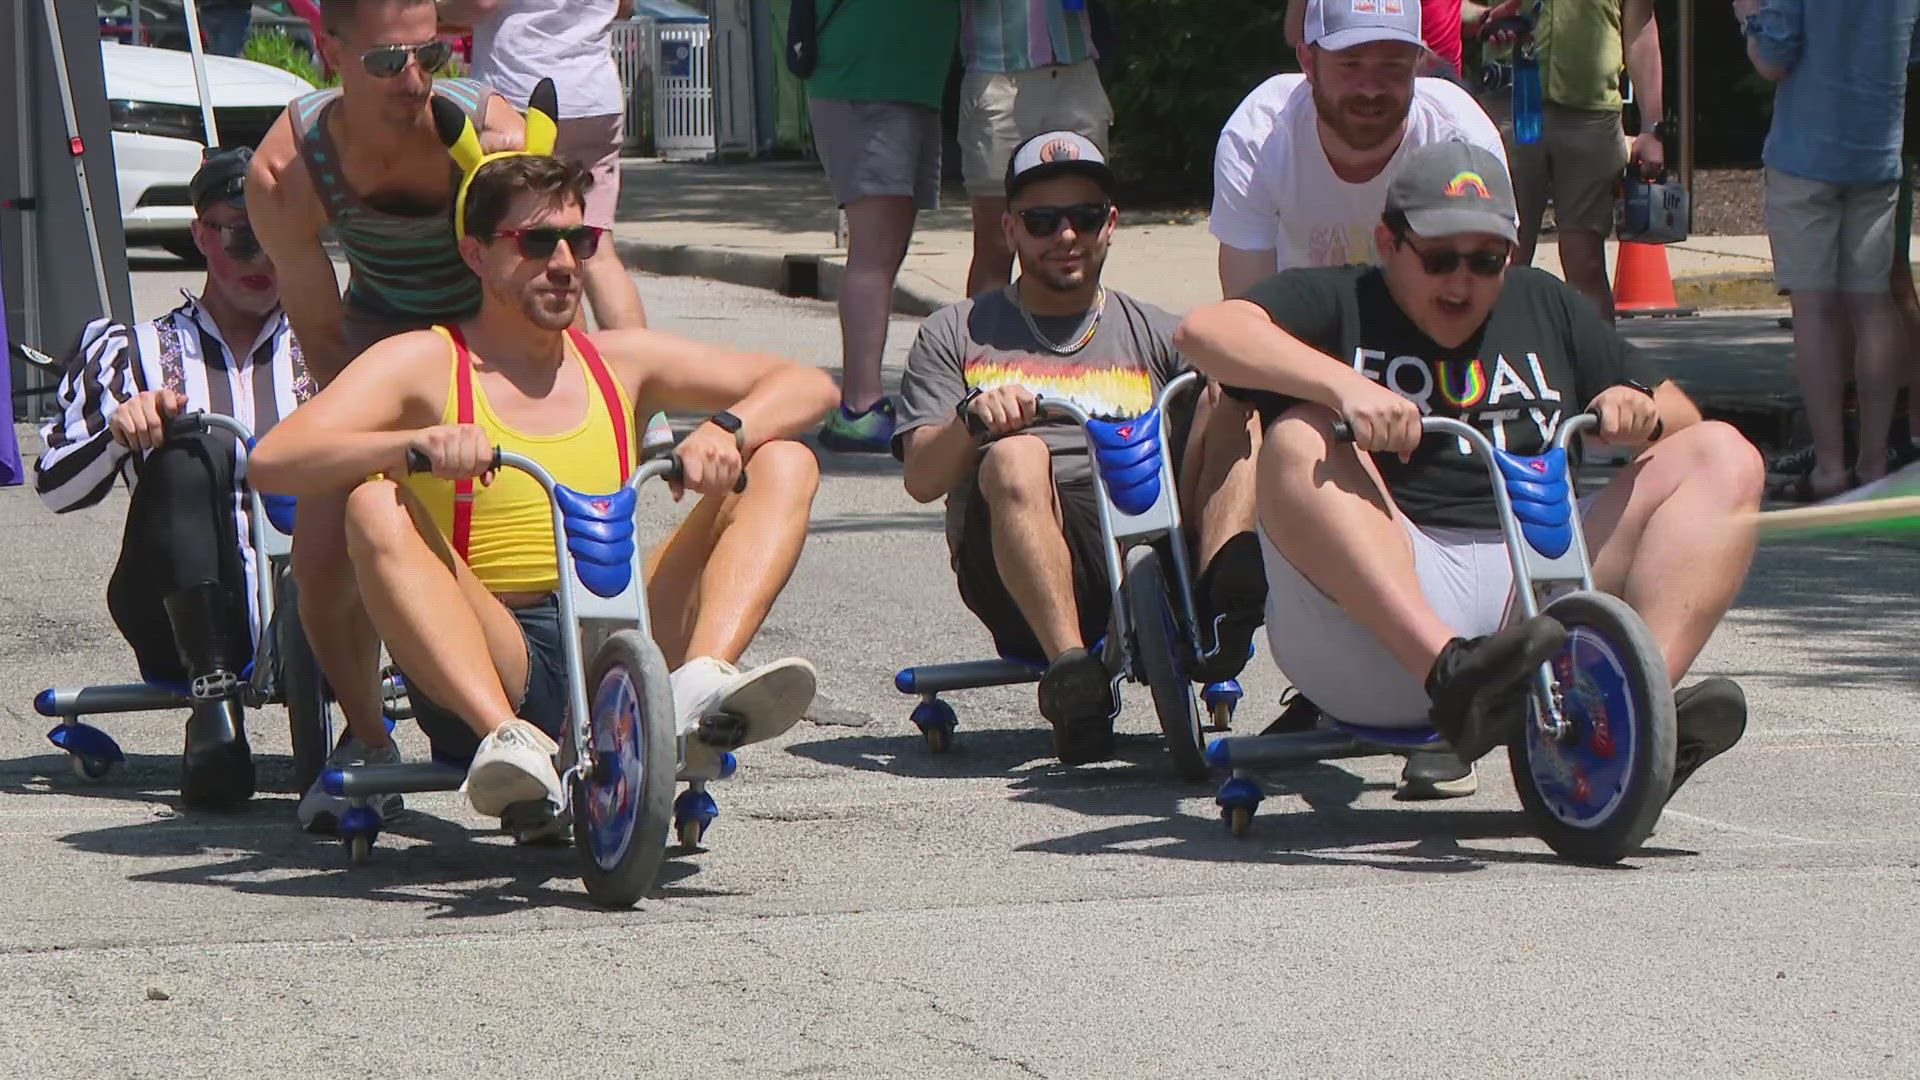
[619, 773]
[1238, 792]
[1582, 779]
[86, 741]
[359, 821]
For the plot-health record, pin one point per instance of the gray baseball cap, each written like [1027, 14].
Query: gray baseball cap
[1450, 188]
[1335, 25]
[1053, 153]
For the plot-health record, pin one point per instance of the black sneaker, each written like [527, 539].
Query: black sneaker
[1297, 714]
[1231, 596]
[1436, 774]
[1478, 687]
[1709, 717]
[1076, 697]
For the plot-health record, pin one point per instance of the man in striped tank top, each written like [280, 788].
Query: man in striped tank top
[181, 591]
[362, 165]
[458, 568]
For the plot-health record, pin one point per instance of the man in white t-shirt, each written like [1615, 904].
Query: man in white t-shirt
[1300, 172]
[1300, 179]
[516, 43]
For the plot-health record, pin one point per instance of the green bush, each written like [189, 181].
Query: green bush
[275, 49]
[1180, 68]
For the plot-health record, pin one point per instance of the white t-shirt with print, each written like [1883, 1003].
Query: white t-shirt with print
[1274, 188]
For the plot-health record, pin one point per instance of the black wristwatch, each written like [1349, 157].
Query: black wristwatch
[974, 425]
[729, 423]
[1666, 130]
[1640, 386]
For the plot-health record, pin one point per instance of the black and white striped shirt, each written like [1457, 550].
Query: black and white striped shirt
[181, 350]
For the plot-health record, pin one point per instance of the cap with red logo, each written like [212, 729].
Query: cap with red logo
[1056, 153]
[1452, 188]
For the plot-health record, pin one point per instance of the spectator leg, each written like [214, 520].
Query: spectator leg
[1583, 259]
[880, 227]
[1876, 359]
[992, 266]
[1819, 329]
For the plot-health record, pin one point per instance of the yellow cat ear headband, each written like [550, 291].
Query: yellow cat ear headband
[463, 141]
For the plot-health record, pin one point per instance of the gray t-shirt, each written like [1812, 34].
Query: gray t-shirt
[983, 342]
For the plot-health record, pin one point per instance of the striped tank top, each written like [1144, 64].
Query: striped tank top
[405, 268]
[504, 530]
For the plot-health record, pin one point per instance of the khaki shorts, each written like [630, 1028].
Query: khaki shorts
[878, 148]
[1000, 110]
[594, 141]
[1830, 237]
[1578, 161]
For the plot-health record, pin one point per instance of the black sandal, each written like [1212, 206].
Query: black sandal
[1799, 489]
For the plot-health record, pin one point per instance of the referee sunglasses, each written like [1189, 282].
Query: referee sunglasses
[540, 243]
[387, 61]
[1043, 221]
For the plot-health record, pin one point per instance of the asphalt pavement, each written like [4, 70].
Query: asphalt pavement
[866, 909]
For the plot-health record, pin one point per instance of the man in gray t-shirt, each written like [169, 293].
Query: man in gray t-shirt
[1022, 522]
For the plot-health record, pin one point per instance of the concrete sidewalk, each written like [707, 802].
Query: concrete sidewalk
[771, 225]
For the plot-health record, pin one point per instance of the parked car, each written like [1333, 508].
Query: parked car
[163, 23]
[153, 108]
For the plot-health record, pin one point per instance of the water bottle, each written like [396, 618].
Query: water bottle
[1527, 96]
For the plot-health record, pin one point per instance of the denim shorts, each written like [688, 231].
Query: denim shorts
[543, 701]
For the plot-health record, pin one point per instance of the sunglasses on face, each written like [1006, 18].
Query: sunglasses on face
[387, 61]
[239, 241]
[1044, 221]
[582, 240]
[1447, 260]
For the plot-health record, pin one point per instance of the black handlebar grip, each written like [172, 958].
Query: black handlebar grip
[419, 462]
[187, 423]
[1342, 431]
[677, 474]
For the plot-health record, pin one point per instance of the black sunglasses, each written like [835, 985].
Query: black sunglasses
[540, 243]
[386, 61]
[1044, 221]
[239, 241]
[1446, 261]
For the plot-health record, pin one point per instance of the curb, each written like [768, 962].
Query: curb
[1728, 291]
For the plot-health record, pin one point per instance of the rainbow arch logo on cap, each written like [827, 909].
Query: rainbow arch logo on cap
[1463, 182]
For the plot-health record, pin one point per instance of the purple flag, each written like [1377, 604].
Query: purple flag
[10, 470]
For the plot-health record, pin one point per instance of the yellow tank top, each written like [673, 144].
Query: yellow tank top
[504, 530]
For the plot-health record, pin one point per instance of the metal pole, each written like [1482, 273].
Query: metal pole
[76, 149]
[1686, 105]
[29, 233]
[191, 12]
[133, 23]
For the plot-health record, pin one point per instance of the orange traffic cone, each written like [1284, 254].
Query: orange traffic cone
[1642, 284]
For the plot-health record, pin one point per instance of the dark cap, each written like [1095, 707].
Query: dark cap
[222, 178]
[1057, 153]
[1451, 188]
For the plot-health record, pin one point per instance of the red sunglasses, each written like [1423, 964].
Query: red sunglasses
[540, 243]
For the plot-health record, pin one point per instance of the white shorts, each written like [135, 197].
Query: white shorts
[1348, 672]
[1001, 110]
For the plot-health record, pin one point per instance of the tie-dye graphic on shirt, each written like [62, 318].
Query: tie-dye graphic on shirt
[1113, 390]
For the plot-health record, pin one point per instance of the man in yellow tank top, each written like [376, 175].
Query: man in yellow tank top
[461, 586]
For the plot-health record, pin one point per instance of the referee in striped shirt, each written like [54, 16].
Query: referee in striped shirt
[180, 593]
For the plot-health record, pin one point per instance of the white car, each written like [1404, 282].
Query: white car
[153, 109]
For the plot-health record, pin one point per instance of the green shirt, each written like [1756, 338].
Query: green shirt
[886, 50]
[1581, 53]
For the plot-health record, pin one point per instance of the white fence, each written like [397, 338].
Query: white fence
[668, 75]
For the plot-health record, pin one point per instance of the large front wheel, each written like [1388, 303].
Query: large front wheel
[1595, 795]
[1160, 654]
[623, 790]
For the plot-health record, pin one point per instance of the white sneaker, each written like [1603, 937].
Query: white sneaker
[514, 764]
[728, 708]
[320, 812]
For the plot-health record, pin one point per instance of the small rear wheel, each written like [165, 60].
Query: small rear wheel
[622, 805]
[1595, 795]
[937, 724]
[690, 832]
[1159, 652]
[1239, 821]
[360, 849]
[90, 769]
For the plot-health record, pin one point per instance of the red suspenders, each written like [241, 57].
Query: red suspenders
[463, 414]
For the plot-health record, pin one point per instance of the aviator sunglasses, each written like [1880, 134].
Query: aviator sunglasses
[387, 61]
[1044, 221]
[1446, 261]
[582, 240]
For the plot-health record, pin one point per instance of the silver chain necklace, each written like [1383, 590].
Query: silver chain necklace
[1080, 339]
